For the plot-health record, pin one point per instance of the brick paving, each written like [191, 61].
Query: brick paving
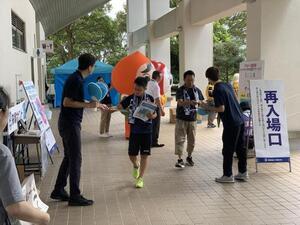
[172, 196]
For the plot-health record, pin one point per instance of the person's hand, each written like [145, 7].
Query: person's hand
[194, 103]
[151, 115]
[103, 107]
[163, 113]
[93, 104]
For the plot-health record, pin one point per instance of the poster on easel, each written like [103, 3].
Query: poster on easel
[15, 114]
[249, 70]
[270, 121]
[39, 114]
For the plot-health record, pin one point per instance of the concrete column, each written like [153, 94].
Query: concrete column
[273, 36]
[136, 19]
[158, 49]
[195, 47]
[41, 63]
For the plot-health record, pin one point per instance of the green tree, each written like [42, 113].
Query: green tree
[174, 41]
[230, 44]
[227, 57]
[96, 33]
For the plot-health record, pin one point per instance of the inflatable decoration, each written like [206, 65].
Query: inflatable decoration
[127, 69]
[135, 65]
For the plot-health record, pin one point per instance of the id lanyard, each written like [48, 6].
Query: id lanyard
[186, 96]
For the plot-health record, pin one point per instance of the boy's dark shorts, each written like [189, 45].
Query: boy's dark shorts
[139, 143]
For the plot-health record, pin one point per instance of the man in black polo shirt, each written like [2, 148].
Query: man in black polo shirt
[230, 112]
[69, 125]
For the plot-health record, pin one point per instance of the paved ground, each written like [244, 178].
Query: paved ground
[172, 196]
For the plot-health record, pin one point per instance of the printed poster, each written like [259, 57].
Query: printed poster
[252, 70]
[270, 121]
[16, 113]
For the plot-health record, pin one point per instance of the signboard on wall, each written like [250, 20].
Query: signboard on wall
[47, 46]
[269, 120]
[251, 70]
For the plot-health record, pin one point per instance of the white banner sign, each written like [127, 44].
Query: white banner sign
[16, 113]
[249, 71]
[47, 46]
[269, 120]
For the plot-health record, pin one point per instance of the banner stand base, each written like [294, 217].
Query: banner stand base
[289, 162]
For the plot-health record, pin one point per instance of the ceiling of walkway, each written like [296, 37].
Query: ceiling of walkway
[56, 14]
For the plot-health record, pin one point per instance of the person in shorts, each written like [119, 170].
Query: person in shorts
[140, 132]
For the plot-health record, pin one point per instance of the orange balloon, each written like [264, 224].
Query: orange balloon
[126, 70]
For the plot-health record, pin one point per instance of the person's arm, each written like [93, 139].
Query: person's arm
[124, 104]
[70, 103]
[218, 109]
[26, 212]
[219, 103]
[12, 196]
[159, 105]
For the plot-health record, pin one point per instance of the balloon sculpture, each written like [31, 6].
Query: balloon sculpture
[135, 65]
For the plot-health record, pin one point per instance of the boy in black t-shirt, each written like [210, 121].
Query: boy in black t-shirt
[140, 131]
[188, 97]
[231, 115]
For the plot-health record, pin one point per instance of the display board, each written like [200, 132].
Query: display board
[39, 114]
[270, 121]
[252, 70]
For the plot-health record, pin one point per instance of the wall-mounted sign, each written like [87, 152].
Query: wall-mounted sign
[47, 46]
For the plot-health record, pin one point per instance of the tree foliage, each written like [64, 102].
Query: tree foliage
[96, 33]
[230, 44]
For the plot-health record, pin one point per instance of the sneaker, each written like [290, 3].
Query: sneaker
[108, 135]
[136, 172]
[139, 183]
[103, 135]
[60, 195]
[189, 161]
[180, 164]
[80, 201]
[157, 145]
[211, 125]
[242, 177]
[225, 179]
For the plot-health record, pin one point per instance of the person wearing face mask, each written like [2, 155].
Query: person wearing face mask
[13, 206]
[69, 126]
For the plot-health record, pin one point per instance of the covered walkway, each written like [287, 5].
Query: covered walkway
[170, 196]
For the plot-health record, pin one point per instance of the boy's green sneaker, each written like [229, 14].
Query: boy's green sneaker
[139, 183]
[136, 172]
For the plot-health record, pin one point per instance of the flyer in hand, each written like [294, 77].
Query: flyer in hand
[143, 110]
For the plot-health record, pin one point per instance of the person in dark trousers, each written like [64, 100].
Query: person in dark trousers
[231, 116]
[69, 125]
[153, 89]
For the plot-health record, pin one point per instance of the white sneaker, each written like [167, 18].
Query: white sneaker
[108, 135]
[103, 136]
[242, 177]
[225, 179]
